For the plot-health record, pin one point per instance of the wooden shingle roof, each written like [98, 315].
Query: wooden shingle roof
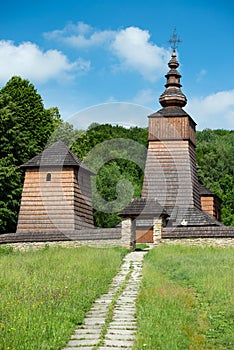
[191, 216]
[57, 155]
[204, 191]
[143, 207]
[170, 112]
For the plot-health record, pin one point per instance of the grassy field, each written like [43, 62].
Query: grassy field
[186, 300]
[46, 293]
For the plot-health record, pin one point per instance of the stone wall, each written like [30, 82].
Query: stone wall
[24, 246]
[216, 236]
[201, 242]
[106, 237]
[125, 236]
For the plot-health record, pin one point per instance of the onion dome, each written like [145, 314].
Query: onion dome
[173, 96]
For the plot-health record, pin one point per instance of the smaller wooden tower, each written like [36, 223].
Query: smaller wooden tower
[210, 203]
[56, 193]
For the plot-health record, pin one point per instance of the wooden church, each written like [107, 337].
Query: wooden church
[57, 187]
[171, 177]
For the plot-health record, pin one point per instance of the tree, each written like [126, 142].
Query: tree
[66, 133]
[215, 149]
[25, 126]
[117, 156]
[34, 123]
[10, 192]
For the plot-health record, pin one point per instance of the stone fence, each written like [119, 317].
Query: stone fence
[99, 237]
[124, 236]
[216, 236]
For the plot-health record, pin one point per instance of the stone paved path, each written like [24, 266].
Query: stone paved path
[111, 323]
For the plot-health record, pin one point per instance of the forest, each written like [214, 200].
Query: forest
[26, 128]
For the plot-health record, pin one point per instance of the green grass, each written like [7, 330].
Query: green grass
[46, 293]
[141, 246]
[186, 299]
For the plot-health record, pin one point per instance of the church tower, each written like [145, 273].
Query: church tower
[171, 171]
[171, 175]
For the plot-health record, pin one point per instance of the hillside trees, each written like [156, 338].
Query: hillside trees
[215, 150]
[117, 156]
[25, 126]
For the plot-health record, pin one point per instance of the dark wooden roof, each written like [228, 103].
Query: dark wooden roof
[170, 112]
[143, 208]
[87, 234]
[205, 191]
[192, 216]
[199, 232]
[57, 155]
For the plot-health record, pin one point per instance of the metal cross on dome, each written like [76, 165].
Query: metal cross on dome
[174, 41]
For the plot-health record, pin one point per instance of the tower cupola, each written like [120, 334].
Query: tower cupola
[173, 96]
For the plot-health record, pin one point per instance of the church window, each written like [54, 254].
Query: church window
[48, 177]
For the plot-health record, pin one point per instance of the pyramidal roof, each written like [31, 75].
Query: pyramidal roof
[57, 155]
[143, 207]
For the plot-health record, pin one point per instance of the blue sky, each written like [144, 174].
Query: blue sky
[88, 56]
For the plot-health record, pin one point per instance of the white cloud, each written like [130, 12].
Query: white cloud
[131, 46]
[81, 35]
[136, 52]
[215, 111]
[28, 61]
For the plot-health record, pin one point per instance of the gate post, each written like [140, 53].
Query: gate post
[157, 230]
[128, 231]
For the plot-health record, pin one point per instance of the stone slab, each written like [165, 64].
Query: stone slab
[86, 335]
[77, 343]
[80, 348]
[119, 343]
[94, 321]
[122, 337]
[120, 331]
[86, 331]
[113, 348]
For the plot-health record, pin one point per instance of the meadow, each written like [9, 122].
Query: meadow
[46, 293]
[186, 300]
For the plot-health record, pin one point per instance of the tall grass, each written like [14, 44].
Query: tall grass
[46, 293]
[186, 299]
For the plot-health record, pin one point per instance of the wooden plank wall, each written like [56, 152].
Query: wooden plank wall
[47, 205]
[212, 206]
[55, 204]
[171, 175]
[172, 128]
[82, 199]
